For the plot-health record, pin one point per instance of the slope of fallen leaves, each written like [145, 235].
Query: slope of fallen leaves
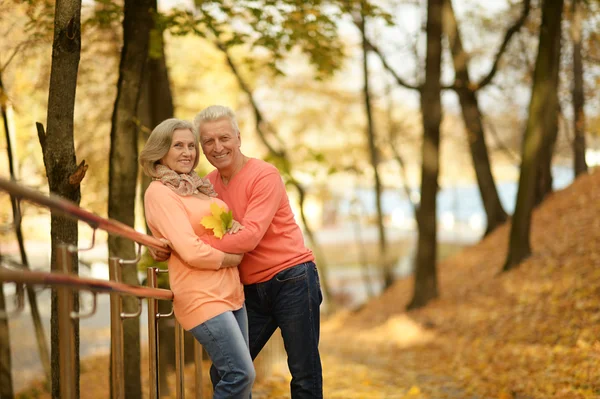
[533, 332]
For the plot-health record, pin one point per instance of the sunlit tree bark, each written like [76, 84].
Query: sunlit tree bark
[425, 282]
[6, 381]
[123, 168]
[156, 97]
[64, 176]
[156, 105]
[540, 124]
[473, 123]
[580, 164]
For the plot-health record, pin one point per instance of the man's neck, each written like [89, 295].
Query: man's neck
[226, 176]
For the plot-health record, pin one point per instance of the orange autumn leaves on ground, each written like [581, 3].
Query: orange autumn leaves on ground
[533, 332]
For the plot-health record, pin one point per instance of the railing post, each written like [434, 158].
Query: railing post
[198, 364]
[153, 337]
[66, 333]
[179, 360]
[117, 361]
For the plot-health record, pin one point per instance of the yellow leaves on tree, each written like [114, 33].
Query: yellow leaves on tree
[219, 221]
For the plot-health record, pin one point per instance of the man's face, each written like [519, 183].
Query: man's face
[221, 144]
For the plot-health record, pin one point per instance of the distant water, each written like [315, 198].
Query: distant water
[458, 205]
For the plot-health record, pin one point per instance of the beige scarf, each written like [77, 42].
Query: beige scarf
[184, 184]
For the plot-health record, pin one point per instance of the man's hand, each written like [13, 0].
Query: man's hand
[161, 255]
[235, 227]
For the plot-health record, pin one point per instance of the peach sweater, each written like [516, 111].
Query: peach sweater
[201, 289]
[271, 240]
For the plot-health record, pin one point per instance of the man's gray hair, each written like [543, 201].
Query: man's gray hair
[215, 113]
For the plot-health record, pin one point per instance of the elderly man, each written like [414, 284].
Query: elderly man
[281, 283]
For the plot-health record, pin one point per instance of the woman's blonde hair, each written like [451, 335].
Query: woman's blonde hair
[159, 143]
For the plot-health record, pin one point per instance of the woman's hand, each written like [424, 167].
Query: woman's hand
[235, 227]
[161, 255]
[231, 260]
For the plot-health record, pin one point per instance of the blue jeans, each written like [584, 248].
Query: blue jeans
[225, 338]
[290, 301]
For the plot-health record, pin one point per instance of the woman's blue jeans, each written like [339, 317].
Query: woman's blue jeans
[225, 338]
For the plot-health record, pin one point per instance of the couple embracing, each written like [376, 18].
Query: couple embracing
[232, 288]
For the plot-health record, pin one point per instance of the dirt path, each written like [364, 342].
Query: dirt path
[354, 369]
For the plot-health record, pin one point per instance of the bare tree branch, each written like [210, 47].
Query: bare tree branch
[405, 186]
[509, 153]
[41, 135]
[392, 135]
[15, 52]
[391, 70]
[507, 37]
[261, 122]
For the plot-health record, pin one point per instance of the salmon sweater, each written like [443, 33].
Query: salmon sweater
[201, 289]
[271, 239]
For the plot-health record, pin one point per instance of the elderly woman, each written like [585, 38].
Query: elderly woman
[208, 294]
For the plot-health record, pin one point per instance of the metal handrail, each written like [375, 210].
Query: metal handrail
[65, 284]
[25, 276]
[70, 209]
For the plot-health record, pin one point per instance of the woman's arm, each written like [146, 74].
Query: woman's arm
[167, 218]
[231, 260]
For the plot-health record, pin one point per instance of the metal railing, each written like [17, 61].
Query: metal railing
[66, 284]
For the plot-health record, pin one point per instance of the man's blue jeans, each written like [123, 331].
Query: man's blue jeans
[225, 338]
[290, 301]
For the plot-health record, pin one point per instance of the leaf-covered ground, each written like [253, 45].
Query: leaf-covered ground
[530, 333]
[533, 332]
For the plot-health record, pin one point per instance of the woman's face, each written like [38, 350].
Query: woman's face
[183, 152]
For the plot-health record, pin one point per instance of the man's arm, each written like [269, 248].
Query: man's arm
[264, 202]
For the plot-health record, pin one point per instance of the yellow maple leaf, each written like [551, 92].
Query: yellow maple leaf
[214, 221]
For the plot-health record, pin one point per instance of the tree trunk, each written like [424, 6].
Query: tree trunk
[473, 124]
[425, 287]
[156, 105]
[156, 98]
[541, 121]
[386, 266]
[580, 165]
[6, 382]
[543, 186]
[59, 154]
[123, 168]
